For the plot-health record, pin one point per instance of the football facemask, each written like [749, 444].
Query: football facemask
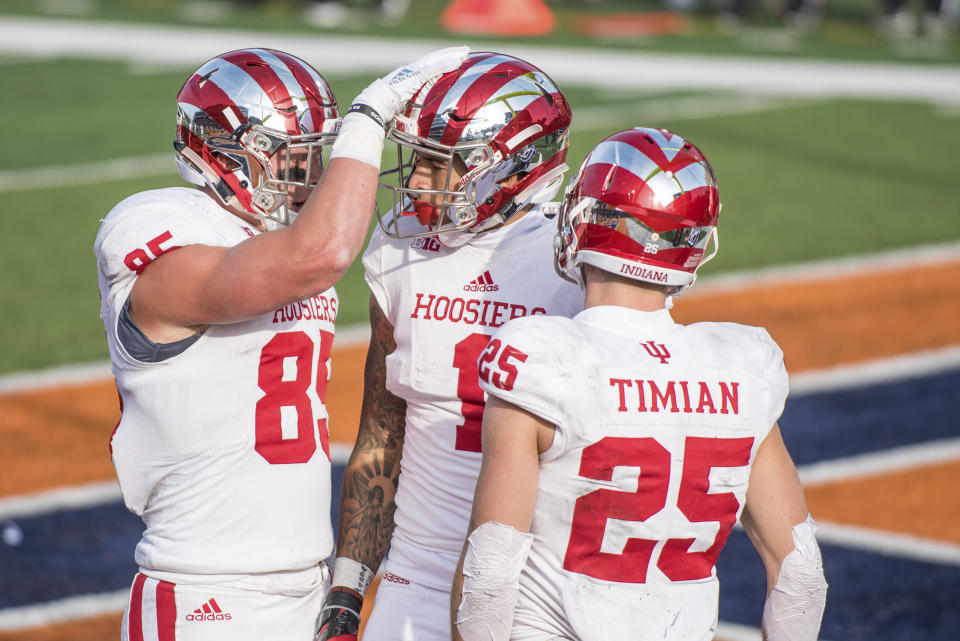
[493, 119]
[254, 125]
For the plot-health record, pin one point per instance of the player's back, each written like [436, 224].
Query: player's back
[221, 447]
[657, 425]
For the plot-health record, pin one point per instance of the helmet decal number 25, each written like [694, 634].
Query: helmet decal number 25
[280, 391]
[694, 501]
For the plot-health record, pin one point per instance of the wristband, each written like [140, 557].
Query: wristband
[360, 138]
[366, 110]
[351, 574]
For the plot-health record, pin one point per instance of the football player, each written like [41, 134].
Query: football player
[619, 447]
[219, 310]
[465, 249]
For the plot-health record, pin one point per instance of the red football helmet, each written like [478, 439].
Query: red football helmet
[252, 124]
[643, 205]
[495, 117]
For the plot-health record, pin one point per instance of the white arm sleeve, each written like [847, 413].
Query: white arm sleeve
[495, 556]
[794, 608]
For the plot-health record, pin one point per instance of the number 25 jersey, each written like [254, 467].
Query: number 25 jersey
[444, 304]
[656, 427]
[222, 447]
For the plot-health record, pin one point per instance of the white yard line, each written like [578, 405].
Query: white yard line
[90, 173]
[77, 497]
[828, 269]
[677, 109]
[882, 462]
[63, 498]
[79, 374]
[77, 607]
[92, 605]
[608, 67]
[585, 119]
[889, 544]
[874, 372]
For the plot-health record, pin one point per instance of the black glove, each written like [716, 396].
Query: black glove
[340, 615]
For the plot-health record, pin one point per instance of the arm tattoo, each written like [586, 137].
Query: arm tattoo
[370, 481]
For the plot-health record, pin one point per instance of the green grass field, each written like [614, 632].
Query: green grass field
[800, 180]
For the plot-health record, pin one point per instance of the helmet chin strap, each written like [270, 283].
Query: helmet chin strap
[715, 235]
[188, 172]
[543, 188]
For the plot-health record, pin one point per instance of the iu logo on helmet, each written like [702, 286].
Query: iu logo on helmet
[657, 350]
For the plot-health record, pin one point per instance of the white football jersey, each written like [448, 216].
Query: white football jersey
[444, 304]
[221, 449]
[657, 425]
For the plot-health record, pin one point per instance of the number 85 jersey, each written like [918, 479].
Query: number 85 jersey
[222, 447]
[656, 427]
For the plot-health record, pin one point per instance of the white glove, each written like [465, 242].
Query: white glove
[363, 128]
[386, 96]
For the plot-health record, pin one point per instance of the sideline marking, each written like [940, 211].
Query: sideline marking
[882, 462]
[83, 373]
[171, 44]
[88, 173]
[92, 605]
[685, 108]
[77, 607]
[62, 498]
[77, 497]
[888, 543]
[828, 269]
[883, 370]
[589, 118]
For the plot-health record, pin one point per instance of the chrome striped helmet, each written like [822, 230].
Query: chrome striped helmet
[644, 205]
[493, 118]
[251, 125]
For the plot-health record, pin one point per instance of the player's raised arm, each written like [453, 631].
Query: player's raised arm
[266, 178]
[776, 519]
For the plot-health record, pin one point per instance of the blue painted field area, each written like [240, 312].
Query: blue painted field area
[872, 597]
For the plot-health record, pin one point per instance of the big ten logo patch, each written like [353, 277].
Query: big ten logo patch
[429, 244]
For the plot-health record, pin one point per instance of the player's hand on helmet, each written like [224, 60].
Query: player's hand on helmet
[340, 615]
[386, 96]
[406, 79]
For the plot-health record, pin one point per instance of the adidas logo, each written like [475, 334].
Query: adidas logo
[209, 611]
[482, 283]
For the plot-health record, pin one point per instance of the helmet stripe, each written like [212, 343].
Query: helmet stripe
[320, 101]
[481, 85]
[430, 111]
[285, 74]
[303, 85]
[202, 90]
[540, 111]
[485, 91]
[670, 147]
[272, 76]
